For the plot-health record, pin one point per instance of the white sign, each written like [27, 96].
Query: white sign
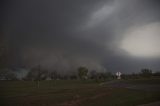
[118, 74]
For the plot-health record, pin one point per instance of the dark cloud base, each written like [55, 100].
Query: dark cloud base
[54, 33]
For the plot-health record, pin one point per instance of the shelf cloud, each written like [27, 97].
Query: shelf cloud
[105, 35]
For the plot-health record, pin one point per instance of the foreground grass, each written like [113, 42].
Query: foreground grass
[73, 93]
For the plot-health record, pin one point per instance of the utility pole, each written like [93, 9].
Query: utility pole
[39, 75]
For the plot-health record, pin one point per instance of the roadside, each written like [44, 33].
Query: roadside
[151, 104]
[124, 84]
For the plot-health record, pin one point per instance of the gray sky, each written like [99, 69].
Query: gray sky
[112, 35]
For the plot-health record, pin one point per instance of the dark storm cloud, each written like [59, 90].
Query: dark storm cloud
[68, 33]
[47, 27]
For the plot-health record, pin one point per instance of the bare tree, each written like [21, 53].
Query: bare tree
[37, 74]
[7, 74]
[146, 72]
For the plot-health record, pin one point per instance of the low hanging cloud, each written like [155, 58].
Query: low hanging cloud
[99, 34]
[59, 60]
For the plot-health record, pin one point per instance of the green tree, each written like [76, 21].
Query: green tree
[82, 72]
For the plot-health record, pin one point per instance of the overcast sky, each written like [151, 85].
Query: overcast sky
[112, 35]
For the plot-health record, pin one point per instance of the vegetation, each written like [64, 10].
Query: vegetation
[146, 72]
[73, 93]
[7, 74]
[88, 88]
[82, 72]
[38, 74]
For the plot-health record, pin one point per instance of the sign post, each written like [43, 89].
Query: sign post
[118, 74]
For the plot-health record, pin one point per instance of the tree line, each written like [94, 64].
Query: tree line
[38, 74]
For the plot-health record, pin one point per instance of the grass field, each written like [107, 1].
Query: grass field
[75, 93]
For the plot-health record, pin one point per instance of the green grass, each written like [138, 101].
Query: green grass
[74, 92]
